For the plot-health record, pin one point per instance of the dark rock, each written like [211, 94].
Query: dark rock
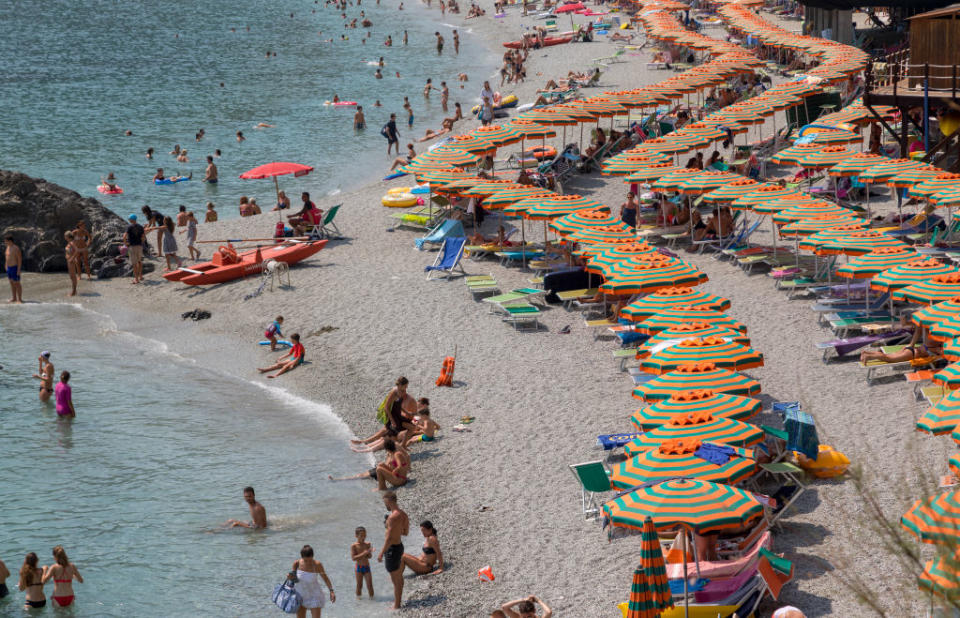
[38, 213]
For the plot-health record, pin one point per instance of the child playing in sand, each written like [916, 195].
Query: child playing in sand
[273, 331]
[361, 552]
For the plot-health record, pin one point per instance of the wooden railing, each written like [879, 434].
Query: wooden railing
[897, 73]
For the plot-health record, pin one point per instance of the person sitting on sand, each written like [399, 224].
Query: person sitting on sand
[411, 153]
[526, 608]
[598, 141]
[430, 561]
[289, 360]
[258, 514]
[394, 469]
[719, 224]
[397, 409]
[421, 426]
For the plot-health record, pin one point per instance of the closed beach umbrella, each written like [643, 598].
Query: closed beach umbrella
[937, 288]
[935, 519]
[696, 376]
[910, 273]
[861, 243]
[725, 354]
[794, 153]
[732, 190]
[583, 219]
[883, 172]
[720, 405]
[676, 458]
[827, 157]
[805, 227]
[943, 417]
[686, 330]
[700, 506]
[669, 298]
[673, 317]
[877, 261]
[707, 181]
[497, 134]
[650, 277]
[856, 164]
[654, 571]
[941, 576]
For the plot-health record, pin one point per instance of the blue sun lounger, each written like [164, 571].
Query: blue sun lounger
[451, 252]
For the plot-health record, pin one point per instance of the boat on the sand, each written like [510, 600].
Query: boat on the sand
[531, 39]
[228, 265]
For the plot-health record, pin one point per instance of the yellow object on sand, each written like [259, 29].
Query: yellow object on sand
[696, 611]
[625, 26]
[399, 200]
[829, 463]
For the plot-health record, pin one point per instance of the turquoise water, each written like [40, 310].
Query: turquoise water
[137, 486]
[78, 74]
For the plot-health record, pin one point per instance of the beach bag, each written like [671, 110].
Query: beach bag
[383, 132]
[286, 597]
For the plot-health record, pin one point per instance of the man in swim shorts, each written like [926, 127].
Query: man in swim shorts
[358, 120]
[13, 259]
[439, 43]
[390, 132]
[45, 375]
[391, 555]
[134, 239]
[258, 514]
[211, 174]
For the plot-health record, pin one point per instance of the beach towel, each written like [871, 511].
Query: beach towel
[802, 432]
[715, 453]
[615, 440]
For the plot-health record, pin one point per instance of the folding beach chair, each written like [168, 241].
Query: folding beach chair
[440, 233]
[448, 259]
[775, 572]
[594, 479]
[327, 228]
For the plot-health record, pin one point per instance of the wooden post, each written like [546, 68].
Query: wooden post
[954, 88]
[903, 131]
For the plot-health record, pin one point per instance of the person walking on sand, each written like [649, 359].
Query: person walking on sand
[526, 608]
[81, 238]
[13, 259]
[72, 254]
[360, 553]
[45, 375]
[64, 397]
[169, 242]
[390, 132]
[258, 514]
[309, 573]
[133, 238]
[210, 176]
[289, 360]
[63, 572]
[272, 332]
[31, 582]
[391, 555]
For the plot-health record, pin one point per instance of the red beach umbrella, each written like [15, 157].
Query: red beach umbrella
[278, 168]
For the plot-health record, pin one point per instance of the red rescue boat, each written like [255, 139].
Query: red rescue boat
[547, 41]
[228, 265]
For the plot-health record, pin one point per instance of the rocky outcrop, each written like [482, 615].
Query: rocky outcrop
[38, 213]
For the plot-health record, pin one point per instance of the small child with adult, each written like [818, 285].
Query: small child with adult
[273, 331]
[360, 553]
[64, 396]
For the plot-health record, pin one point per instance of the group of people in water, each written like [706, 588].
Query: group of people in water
[34, 577]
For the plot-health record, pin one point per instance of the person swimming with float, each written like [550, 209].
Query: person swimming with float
[160, 179]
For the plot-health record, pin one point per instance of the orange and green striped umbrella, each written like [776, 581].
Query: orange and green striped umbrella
[455, 186]
[674, 145]
[856, 164]
[794, 153]
[444, 176]
[607, 258]
[877, 261]
[934, 185]
[840, 136]
[439, 158]
[861, 243]
[827, 157]
[702, 128]
[575, 112]
[935, 519]
[725, 354]
[650, 593]
[743, 116]
[582, 219]
[654, 171]
[696, 376]
[650, 277]
[917, 271]
[603, 234]
[549, 116]
[883, 172]
[669, 298]
[672, 181]
[675, 334]
[954, 464]
[943, 416]
[707, 181]
[768, 193]
[629, 164]
[632, 99]
[941, 319]
[941, 576]
[472, 143]
[676, 458]
[948, 377]
[697, 425]
[496, 134]
[529, 129]
[812, 208]
[947, 197]
[913, 177]
[506, 197]
[653, 157]
[805, 227]
[488, 187]
[719, 405]
[815, 241]
[639, 260]
[700, 506]
[733, 189]
[602, 107]
[951, 350]
[672, 317]
[937, 288]
[559, 205]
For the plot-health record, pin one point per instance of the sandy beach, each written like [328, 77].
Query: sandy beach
[501, 493]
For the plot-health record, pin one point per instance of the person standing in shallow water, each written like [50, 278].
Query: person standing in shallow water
[45, 375]
[391, 555]
[64, 397]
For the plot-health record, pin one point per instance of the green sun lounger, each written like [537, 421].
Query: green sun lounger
[521, 313]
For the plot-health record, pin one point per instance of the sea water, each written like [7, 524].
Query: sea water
[77, 75]
[137, 487]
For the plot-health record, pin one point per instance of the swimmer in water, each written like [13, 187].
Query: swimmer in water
[358, 120]
[258, 514]
[377, 103]
[398, 74]
[263, 125]
[176, 150]
[378, 74]
[444, 95]
[336, 98]
[381, 63]
[182, 157]
[240, 136]
[404, 37]
[149, 154]
[389, 41]
[428, 88]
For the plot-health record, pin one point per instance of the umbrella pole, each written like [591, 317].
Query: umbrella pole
[276, 186]
[686, 593]
[523, 240]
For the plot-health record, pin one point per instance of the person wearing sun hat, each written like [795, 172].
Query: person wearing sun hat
[134, 239]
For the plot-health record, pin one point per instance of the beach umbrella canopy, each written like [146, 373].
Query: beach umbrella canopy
[937, 288]
[794, 153]
[697, 426]
[861, 243]
[672, 181]
[654, 171]
[812, 208]
[529, 129]
[632, 163]
[677, 458]
[943, 417]
[472, 143]
[673, 317]
[725, 354]
[583, 219]
[507, 196]
[441, 177]
[669, 298]
[602, 107]
[816, 240]
[440, 158]
[938, 183]
[910, 273]
[733, 189]
[915, 176]
[700, 506]
[696, 376]
[805, 227]
[574, 111]
[720, 405]
[605, 233]
[686, 330]
[654, 571]
[485, 188]
[279, 168]
[883, 172]
[877, 261]
[947, 197]
[941, 576]
[570, 8]
[707, 181]
[549, 116]
[935, 519]
[768, 193]
[856, 164]
[496, 134]
[941, 319]
[840, 136]
[948, 377]
[559, 205]
[827, 157]
[650, 277]
[606, 258]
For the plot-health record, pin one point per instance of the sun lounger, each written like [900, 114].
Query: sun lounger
[594, 478]
[824, 306]
[624, 355]
[842, 325]
[775, 572]
[514, 297]
[843, 347]
[599, 326]
[448, 259]
[568, 296]
[506, 257]
[481, 284]
[874, 366]
[521, 313]
[329, 229]
[793, 475]
[716, 569]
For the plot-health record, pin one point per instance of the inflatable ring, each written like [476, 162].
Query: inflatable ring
[106, 190]
[399, 200]
[541, 152]
[398, 190]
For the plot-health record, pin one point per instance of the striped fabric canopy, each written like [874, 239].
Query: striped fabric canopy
[827, 157]
[675, 334]
[861, 243]
[948, 377]
[650, 593]
[725, 354]
[769, 193]
[583, 219]
[720, 405]
[653, 171]
[558, 206]
[696, 376]
[549, 116]
[672, 181]
[938, 183]
[651, 277]
[633, 164]
[935, 519]
[913, 177]
[708, 181]
[856, 164]
[808, 209]
[794, 153]
[733, 189]
[673, 317]
[441, 157]
[883, 172]
[943, 416]
[472, 143]
[529, 129]
[937, 315]
[669, 298]
[818, 239]
[917, 271]
[700, 506]
[941, 576]
[805, 227]
[937, 288]
[508, 196]
[607, 258]
[877, 261]
[676, 458]
[497, 134]
[604, 233]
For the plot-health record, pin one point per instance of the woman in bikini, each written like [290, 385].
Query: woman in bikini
[72, 253]
[63, 574]
[914, 350]
[81, 238]
[430, 562]
[31, 582]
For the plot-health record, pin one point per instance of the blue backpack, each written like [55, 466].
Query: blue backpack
[286, 597]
